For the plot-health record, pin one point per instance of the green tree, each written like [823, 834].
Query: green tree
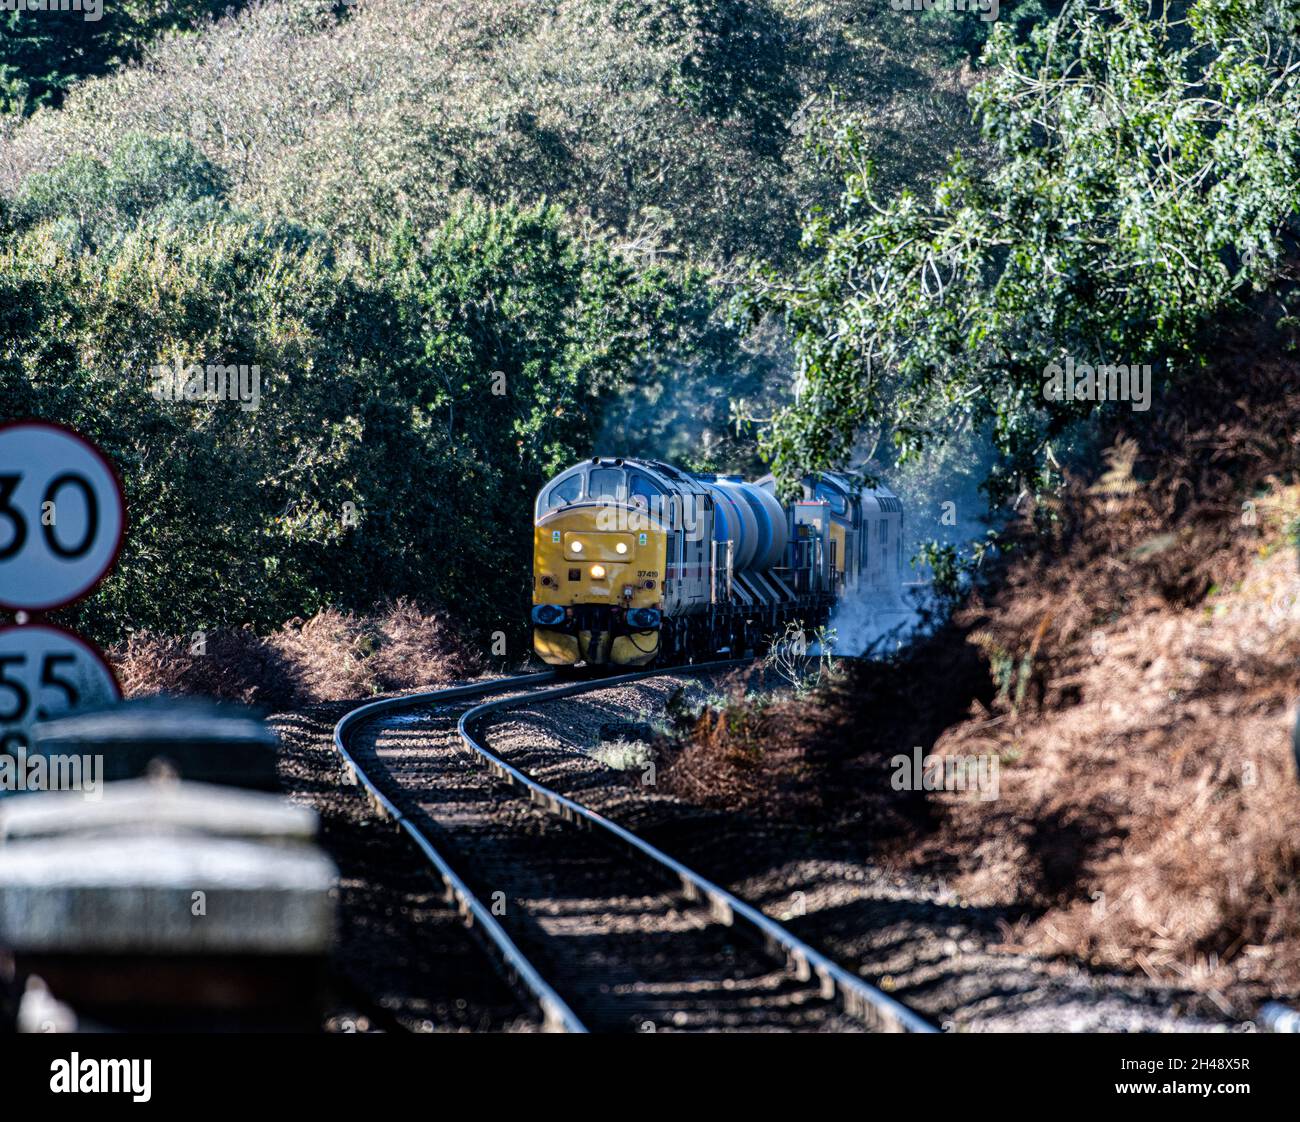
[93, 201]
[1142, 181]
[43, 53]
[412, 400]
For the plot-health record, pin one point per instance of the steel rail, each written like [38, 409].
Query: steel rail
[556, 1014]
[859, 999]
[1276, 1017]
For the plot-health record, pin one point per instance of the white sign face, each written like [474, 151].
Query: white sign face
[61, 517]
[46, 672]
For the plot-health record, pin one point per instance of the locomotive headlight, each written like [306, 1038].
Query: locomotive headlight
[644, 618]
[576, 547]
[621, 547]
[548, 615]
[597, 572]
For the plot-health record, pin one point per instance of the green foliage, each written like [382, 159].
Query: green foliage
[952, 567]
[963, 35]
[1143, 180]
[945, 564]
[736, 59]
[675, 124]
[92, 202]
[802, 665]
[451, 239]
[672, 127]
[378, 388]
[43, 53]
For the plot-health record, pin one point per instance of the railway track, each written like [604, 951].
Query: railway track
[598, 928]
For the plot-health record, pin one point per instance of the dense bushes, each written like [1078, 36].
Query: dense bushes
[677, 124]
[410, 399]
[354, 205]
[235, 200]
[43, 53]
[90, 201]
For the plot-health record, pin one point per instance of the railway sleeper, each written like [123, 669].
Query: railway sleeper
[720, 910]
[853, 1001]
[797, 962]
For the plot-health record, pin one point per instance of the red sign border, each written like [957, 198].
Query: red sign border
[67, 430]
[85, 643]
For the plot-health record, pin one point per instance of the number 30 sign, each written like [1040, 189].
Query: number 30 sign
[61, 516]
[61, 523]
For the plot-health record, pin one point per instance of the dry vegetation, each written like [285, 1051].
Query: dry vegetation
[333, 656]
[1145, 659]
[1133, 669]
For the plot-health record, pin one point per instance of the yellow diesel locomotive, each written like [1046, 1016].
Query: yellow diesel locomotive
[636, 561]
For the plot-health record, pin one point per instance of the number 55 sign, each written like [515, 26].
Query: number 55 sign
[46, 672]
[61, 517]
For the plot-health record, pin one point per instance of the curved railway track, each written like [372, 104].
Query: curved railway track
[597, 927]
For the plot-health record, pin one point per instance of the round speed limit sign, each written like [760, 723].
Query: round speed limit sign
[46, 672]
[61, 516]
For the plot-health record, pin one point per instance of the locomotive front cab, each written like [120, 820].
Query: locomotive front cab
[866, 528]
[839, 493]
[600, 551]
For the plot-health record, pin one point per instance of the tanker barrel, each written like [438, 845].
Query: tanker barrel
[734, 521]
[770, 520]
